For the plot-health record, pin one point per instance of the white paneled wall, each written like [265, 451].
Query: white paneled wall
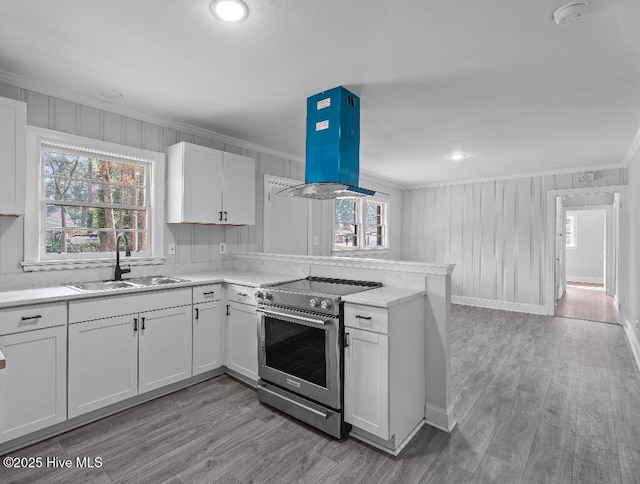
[196, 245]
[630, 256]
[494, 231]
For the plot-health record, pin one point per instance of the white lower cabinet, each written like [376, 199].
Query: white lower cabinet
[242, 339]
[366, 402]
[207, 328]
[103, 363]
[120, 356]
[384, 390]
[164, 347]
[34, 380]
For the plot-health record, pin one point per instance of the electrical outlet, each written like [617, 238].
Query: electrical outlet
[637, 325]
[316, 240]
[172, 249]
[222, 248]
[457, 286]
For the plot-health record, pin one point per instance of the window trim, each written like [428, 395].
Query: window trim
[34, 258]
[362, 250]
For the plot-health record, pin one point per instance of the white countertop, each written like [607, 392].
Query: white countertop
[40, 295]
[383, 297]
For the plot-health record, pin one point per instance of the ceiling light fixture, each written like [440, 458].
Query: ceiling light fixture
[230, 10]
[569, 13]
[457, 156]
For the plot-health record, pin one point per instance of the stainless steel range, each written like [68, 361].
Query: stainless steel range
[300, 348]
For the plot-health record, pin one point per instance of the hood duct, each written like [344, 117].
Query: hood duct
[332, 161]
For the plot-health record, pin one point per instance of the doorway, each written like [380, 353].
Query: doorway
[586, 255]
[286, 221]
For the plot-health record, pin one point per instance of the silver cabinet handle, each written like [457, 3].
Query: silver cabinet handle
[197, 313]
[210, 293]
[3, 361]
[30, 318]
[242, 294]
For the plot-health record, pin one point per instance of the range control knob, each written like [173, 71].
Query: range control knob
[326, 304]
[259, 295]
[313, 302]
[268, 295]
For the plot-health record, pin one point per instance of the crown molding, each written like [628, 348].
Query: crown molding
[568, 171]
[633, 150]
[61, 93]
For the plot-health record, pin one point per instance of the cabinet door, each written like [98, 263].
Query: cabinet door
[242, 340]
[103, 363]
[239, 189]
[366, 386]
[207, 337]
[13, 126]
[200, 180]
[165, 347]
[33, 392]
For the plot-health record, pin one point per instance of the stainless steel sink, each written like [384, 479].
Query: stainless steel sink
[154, 280]
[101, 286]
[134, 282]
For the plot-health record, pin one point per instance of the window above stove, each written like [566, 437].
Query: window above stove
[361, 225]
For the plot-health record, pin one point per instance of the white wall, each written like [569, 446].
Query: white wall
[585, 263]
[494, 231]
[196, 245]
[630, 256]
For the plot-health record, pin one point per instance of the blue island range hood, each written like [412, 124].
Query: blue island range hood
[332, 162]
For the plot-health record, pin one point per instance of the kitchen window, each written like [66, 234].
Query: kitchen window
[361, 224]
[83, 193]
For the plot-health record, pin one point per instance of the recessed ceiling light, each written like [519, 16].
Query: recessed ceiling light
[569, 13]
[457, 156]
[110, 94]
[230, 10]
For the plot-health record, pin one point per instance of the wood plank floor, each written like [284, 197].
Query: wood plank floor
[538, 399]
[587, 301]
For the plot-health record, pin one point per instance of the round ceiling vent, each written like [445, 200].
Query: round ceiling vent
[569, 13]
[110, 94]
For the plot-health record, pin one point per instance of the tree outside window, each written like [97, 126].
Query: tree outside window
[88, 200]
[360, 223]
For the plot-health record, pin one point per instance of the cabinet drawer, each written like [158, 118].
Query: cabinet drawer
[111, 306]
[208, 293]
[241, 294]
[367, 318]
[27, 318]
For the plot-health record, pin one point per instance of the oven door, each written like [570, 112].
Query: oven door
[301, 353]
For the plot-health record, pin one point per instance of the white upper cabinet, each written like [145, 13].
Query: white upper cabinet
[209, 186]
[13, 129]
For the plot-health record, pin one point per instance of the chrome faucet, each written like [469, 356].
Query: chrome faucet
[127, 252]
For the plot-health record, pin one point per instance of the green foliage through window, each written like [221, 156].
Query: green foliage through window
[88, 200]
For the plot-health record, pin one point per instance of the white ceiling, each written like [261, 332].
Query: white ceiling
[496, 79]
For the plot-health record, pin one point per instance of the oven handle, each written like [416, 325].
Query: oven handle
[321, 323]
[298, 404]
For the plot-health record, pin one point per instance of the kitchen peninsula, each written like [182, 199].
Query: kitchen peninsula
[63, 307]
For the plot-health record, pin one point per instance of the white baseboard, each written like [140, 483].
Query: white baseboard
[590, 280]
[374, 441]
[504, 305]
[440, 418]
[633, 340]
